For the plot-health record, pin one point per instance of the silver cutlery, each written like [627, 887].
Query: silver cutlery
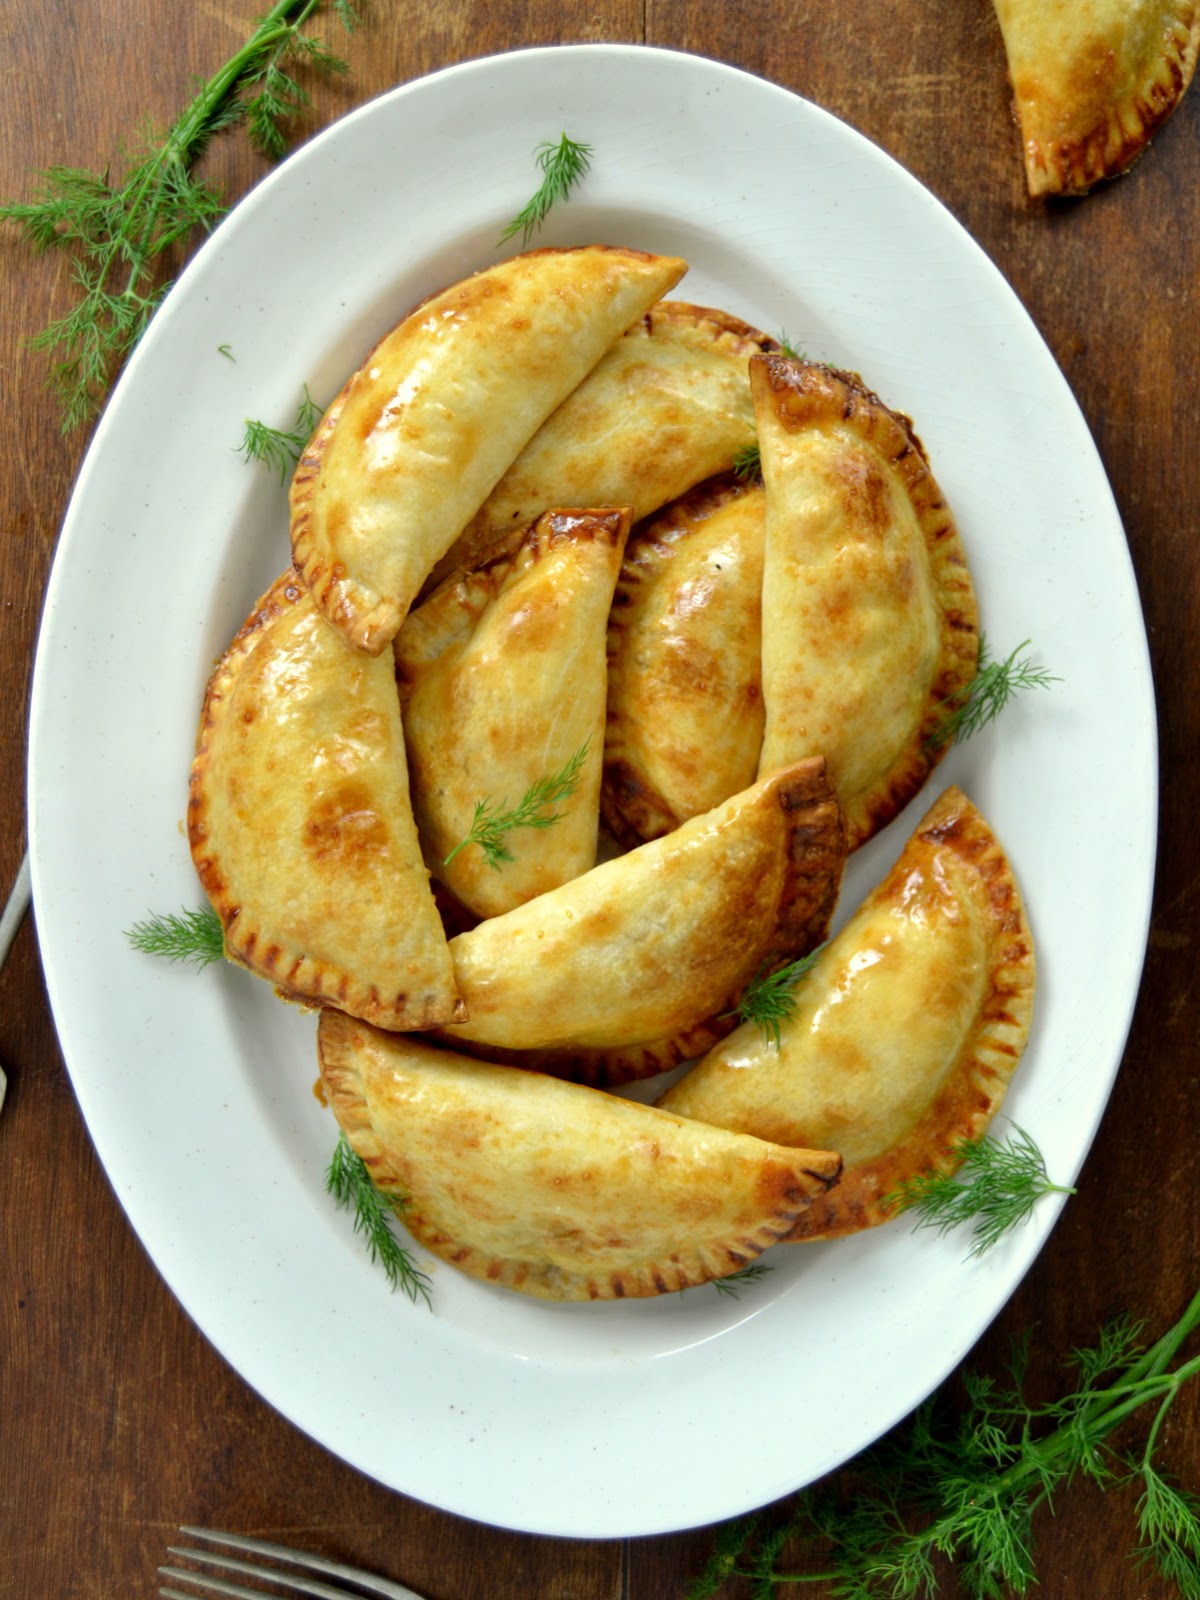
[267, 1562]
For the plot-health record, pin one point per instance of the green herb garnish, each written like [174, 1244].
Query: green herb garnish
[491, 821]
[747, 462]
[985, 697]
[767, 999]
[994, 1185]
[350, 1183]
[195, 937]
[277, 449]
[118, 233]
[733, 1282]
[563, 166]
[965, 1487]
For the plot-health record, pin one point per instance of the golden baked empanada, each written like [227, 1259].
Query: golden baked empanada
[667, 406]
[300, 824]
[685, 714]
[869, 622]
[558, 1191]
[658, 940]
[905, 1032]
[502, 683]
[1092, 80]
[412, 446]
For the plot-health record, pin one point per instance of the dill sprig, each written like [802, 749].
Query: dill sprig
[733, 1283]
[966, 1486]
[747, 462]
[994, 1185]
[563, 166]
[985, 697]
[350, 1183]
[277, 448]
[195, 937]
[491, 822]
[768, 1000]
[117, 233]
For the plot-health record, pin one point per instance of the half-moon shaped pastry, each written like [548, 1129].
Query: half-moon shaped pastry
[869, 620]
[905, 1033]
[685, 713]
[502, 683]
[656, 941]
[1092, 82]
[300, 824]
[558, 1191]
[668, 406]
[416, 440]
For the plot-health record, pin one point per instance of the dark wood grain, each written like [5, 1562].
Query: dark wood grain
[117, 1419]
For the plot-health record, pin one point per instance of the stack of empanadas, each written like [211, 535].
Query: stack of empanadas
[521, 549]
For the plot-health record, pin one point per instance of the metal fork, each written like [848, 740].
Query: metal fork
[343, 1583]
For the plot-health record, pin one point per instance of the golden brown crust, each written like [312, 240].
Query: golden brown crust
[551, 1189]
[677, 377]
[754, 911]
[685, 711]
[1092, 83]
[933, 981]
[502, 682]
[869, 616]
[299, 823]
[422, 431]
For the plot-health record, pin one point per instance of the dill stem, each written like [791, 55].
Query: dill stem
[1146, 1380]
[187, 137]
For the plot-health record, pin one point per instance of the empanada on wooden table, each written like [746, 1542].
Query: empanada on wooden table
[905, 1033]
[685, 712]
[420, 434]
[668, 406]
[300, 824]
[633, 967]
[1092, 80]
[502, 684]
[869, 622]
[553, 1189]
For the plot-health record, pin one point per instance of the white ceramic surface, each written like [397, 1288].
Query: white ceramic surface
[197, 1089]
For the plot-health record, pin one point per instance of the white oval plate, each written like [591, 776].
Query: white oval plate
[197, 1088]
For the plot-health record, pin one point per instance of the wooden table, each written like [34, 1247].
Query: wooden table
[117, 1419]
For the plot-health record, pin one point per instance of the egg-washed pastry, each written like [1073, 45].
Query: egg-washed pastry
[685, 713]
[502, 684]
[668, 406]
[553, 1189]
[419, 436]
[300, 824]
[869, 622]
[1092, 80]
[655, 942]
[905, 1032]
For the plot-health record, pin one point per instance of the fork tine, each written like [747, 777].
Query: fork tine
[364, 1583]
[212, 1585]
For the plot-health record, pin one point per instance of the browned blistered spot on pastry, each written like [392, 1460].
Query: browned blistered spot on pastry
[343, 827]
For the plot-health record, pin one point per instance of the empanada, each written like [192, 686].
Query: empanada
[659, 940]
[502, 684]
[558, 1191]
[869, 622]
[905, 1032]
[668, 406]
[416, 440]
[1092, 80]
[685, 713]
[300, 824]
